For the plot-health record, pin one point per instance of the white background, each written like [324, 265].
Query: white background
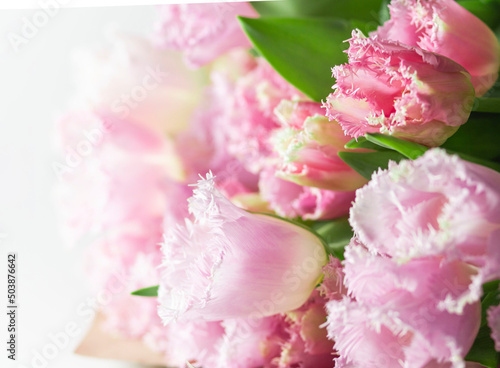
[35, 87]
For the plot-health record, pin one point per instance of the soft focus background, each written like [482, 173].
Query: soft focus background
[36, 86]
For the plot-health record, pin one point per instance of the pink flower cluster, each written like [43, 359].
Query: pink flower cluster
[240, 284]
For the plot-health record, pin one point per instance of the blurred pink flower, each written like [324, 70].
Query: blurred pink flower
[446, 28]
[307, 145]
[437, 205]
[394, 319]
[131, 79]
[389, 87]
[115, 196]
[114, 177]
[203, 31]
[251, 342]
[494, 323]
[229, 263]
[291, 200]
[197, 342]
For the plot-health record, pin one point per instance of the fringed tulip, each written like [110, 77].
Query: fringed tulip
[392, 88]
[308, 146]
[229, 263]
[437, 205]
[203, 31]
[446, 28]
[394, 319]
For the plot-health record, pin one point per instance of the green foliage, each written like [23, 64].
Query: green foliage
[148, 292]
[303, 51]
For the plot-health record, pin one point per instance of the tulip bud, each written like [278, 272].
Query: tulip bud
[446, 28]
[392, 88]
[229, 263]
[308, 147]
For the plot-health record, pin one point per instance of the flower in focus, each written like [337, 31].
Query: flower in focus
[446, 28]
[389, 87]
[437, 205]
[203, 32]
[308, 146]
[229, 263]
[291, 200]
[393, 318]
[132, 80]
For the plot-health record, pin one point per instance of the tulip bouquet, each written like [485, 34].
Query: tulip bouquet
[263, 212]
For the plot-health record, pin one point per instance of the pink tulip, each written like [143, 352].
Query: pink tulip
[394, 319]
[131, 79]
[446, 28]
[392, 88]
[437, 205]
[229, 263]
[291, 200]
[308, 146]
[115, 196]
[203, 31]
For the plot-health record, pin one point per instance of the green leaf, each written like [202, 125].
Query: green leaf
[362, 142]
[336, 233]
[409, 149]
[383, 14]
[303, 51]
[483, 348]
[478, 137]
[366, 10]
[487, 104]
[149, 291]
[368, 163]
[486, 10]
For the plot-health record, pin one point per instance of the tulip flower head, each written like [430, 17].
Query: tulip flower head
[446, 28]
[308, 146]
[437, 205]
[228, 263]
[392, 88]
